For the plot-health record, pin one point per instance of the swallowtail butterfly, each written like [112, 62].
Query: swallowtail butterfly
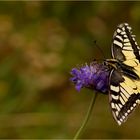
[120, 76]
[124, 79]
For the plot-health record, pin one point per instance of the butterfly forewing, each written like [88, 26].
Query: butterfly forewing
[124, 83]
[124, 46]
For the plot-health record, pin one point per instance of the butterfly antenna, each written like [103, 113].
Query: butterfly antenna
[100, 49]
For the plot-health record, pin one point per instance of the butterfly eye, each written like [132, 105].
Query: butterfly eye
[105, 63]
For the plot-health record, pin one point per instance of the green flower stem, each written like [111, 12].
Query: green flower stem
[87, 116]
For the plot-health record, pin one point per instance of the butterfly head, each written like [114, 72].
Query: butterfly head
[111, 63]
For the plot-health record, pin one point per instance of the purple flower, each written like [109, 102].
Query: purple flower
[95, 76]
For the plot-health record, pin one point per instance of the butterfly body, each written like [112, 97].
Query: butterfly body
[122, 68]
[124, 79]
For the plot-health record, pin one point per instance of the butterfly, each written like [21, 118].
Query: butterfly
[124, 78]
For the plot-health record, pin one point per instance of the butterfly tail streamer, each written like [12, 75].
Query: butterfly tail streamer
[85, 121]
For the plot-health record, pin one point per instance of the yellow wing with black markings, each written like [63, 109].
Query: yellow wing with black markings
[124, 83]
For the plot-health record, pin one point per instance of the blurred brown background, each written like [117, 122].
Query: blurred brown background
[40, 42]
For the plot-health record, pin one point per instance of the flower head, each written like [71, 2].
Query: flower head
[93, 76]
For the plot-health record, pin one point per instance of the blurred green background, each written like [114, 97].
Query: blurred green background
[40, 42]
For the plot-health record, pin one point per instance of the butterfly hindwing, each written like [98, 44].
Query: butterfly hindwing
[124, 96]
[124, 83]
